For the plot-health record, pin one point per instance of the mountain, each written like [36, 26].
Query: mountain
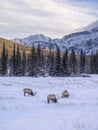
[44, 41]
[93, 26]
[9, 46]
[33, 39]
[86, 40]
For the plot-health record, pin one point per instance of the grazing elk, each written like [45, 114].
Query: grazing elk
[29, 91]
[52, 98]
[64, 94]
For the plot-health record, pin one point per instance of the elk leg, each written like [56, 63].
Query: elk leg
[48, 100]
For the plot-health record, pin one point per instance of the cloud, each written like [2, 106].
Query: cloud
[54, 18]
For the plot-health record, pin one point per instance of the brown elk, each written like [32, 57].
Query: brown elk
[52, 97]
[64, 94]
[29, 91]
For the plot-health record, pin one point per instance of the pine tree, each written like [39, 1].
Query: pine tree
[28, 70]
[96, 63]
[8, 63]
[57, 62]
[14, 60]
[65, 64]
[92, 63]
[82, 62]
[44, 70]
[48, 62]
[73, 62]
[39, 60]
[18, 62]
[4, 61]
[52, 65]
[33, 62]
[11, 66]
[23, 70]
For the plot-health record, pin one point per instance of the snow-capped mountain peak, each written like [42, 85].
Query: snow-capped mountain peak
[86, 40]
[44, 41]
[32, 39]
[93, 26]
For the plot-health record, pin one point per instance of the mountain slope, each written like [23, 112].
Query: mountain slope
[9, 46]
[93, 26]
[33, 39]
[86, 40]
[44, 41]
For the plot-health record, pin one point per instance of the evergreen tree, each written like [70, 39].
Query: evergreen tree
[33, 62]
[48, 62]
[44, 70]
[18, 62]
[65, 64]
[23, 70]
[39, 60]
[8, 63]
[82, 62]
[11, 66]
[4, 61]
[57, 62]
[28, 70]
[73, 62]
[92, 63]
[14, 60]
[96, 63]
[52, 65]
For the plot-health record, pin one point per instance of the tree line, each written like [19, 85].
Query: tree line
[53, 64]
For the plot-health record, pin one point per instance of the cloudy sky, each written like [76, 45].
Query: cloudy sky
[54, 18]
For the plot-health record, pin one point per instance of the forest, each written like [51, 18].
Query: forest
[55, 63]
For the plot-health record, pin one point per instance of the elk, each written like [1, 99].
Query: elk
[52, 98]
[29, 91]
[64, 94]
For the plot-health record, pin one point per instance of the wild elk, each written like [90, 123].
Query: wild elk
[52, 98]
[64, 94]
[29, 91]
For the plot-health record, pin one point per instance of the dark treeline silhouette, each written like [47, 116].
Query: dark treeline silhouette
[53, 64]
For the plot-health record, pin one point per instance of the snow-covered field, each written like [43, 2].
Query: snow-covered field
[77, 112]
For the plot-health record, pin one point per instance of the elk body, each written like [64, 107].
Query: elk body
[28, 91]
[52, 98]
[65, 94]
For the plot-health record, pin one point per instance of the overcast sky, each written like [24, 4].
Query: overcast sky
[53, 18]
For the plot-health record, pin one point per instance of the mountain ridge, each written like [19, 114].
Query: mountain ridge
[86, 40]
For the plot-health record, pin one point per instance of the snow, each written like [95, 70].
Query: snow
[33, 39]
[85, 40]
[93, 25]
[77, 112]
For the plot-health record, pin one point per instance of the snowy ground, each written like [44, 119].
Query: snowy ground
[78, 112]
